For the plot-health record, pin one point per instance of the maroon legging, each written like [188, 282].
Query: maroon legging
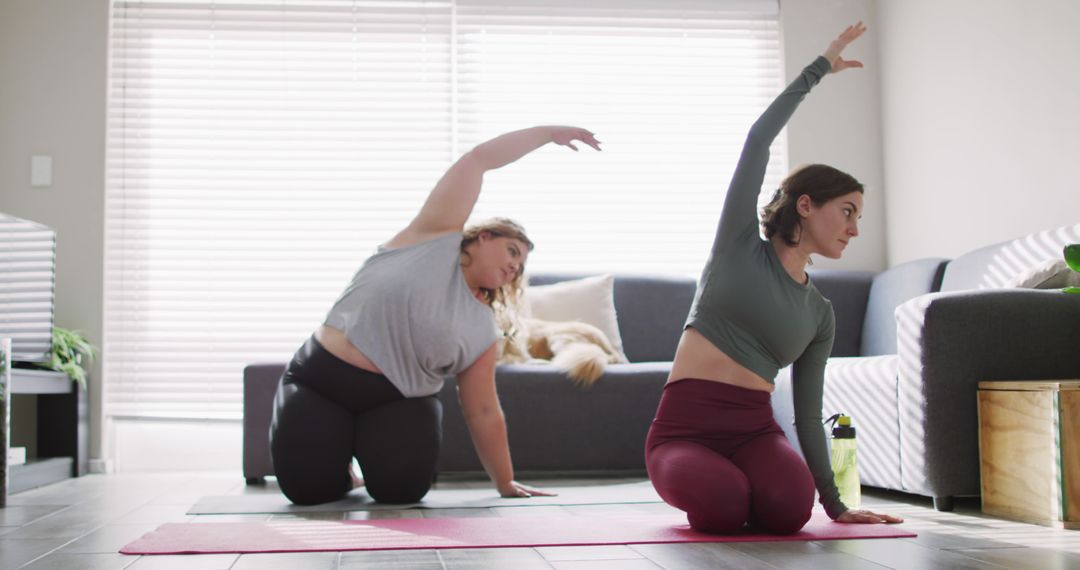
[715, 452]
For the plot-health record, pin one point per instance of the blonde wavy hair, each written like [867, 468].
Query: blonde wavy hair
[506, 300]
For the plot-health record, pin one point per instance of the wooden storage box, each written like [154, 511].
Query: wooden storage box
[1029, 451]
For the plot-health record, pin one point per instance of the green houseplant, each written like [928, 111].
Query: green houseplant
[68, 349]
[1072, 258]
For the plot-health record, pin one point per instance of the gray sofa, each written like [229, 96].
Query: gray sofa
[931, 331]
[910, 386]
[555, 426]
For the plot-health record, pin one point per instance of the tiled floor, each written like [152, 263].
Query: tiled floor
[82, 523]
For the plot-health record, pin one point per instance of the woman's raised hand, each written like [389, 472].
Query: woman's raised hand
[833, 52]
[566, 136]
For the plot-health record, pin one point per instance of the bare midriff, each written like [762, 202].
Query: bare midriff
[700, 359]
[335, 343]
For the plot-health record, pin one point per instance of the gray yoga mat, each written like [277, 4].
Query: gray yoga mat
[274, 503]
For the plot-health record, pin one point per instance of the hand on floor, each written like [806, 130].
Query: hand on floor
[863, 516]
[514, 490]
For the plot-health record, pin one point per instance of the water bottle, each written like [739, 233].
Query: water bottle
[844, 460]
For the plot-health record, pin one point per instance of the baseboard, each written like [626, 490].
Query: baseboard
[100, 466]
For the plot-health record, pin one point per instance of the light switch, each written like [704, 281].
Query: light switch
[40, 171]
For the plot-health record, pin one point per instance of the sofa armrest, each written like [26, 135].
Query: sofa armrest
[260, 385]
[890, 289]
[947, 343]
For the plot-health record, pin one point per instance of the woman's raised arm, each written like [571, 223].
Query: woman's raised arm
[740, 205]
[453, 198]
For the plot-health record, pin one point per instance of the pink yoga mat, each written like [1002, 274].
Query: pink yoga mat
[469, 532]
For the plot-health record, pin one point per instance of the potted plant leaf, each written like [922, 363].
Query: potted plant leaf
[68, 350]
[1072, 258]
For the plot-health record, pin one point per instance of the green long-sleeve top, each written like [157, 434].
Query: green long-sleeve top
[748, 305]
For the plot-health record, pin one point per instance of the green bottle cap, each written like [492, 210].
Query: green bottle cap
[843, 428]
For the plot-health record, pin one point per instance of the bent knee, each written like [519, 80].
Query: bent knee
[718, 512]
[309, 495]
[782, 522]
[398, 495]
[717, 519]
[783, 512]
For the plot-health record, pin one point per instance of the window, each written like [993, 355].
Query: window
[259, 151]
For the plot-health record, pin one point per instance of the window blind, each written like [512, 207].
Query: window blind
[258, 151]
[670, 88]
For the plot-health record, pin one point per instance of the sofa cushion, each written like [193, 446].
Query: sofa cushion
[889, 290]
[993, 266]
[973, 270]
[1049, 274]
[651, 309]
[589, 300]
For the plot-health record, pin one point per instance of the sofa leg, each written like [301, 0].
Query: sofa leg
[255, 480]
[943, 504]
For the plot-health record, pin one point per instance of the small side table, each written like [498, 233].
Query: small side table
[1029, 451]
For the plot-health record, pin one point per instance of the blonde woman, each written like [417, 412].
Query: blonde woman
[365, 384]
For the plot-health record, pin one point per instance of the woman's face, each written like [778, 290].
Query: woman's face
[831, 226]
[496, 260]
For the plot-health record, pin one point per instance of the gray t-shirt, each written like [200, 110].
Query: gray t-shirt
[748, 305]
[411, 313]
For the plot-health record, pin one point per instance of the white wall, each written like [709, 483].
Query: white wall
[980, 121]
[53, 72]
[839, 122]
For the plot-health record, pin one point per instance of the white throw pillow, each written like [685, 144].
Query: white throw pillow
[1049, 274]
[590, 300]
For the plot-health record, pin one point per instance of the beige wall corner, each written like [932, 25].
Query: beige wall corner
[53, 70]
[839, 123]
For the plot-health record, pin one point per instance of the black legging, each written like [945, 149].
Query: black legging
[327, 411]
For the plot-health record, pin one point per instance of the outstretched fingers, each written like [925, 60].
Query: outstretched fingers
[566, 136]
[850, 34]
[535, 492]
[590, 139]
